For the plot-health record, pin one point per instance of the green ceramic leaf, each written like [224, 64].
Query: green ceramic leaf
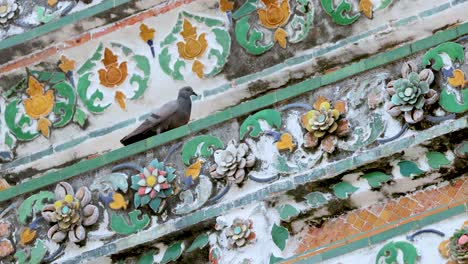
[248, 7]
[142, 63]
[43, 16]
[80, 117]
[274, 259]
[200, 242]
[366, 136]
[91, 102]
[38, 253]
[115, 181]
[208, 145]
[449, 102]
[135, 223]
[65, 107]
[279, 235]
[390, 252]
[252, 126]
[340, 15]
[316, 199]
[462, 149]
[17, 128]
[343, 189]
[173, 252]
[409, 169]
[34, 204]
[433, 58]
[384, 4]
[436, 160]
[48, 77]
[90, 63]
[376, 178]
[287, 212]
[146, 258]
[10, 140]
[250, 38]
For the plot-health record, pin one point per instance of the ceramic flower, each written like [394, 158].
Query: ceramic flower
[411, 93]
[114, 74]
[232, 162]
[8, 10]
[193, 46]
[153, 185]
[6, 247]
[39, 105]
[70, 213]
[275, 15]
[324, 124]
[240, 233]
[456, 248]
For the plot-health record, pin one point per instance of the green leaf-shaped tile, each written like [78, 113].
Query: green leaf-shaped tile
[436, 160]
[287, 212]
[173, 252]
[279, 235]
[409, 169]
[272, 117]
[343, 189]
[376, 178]
[34, 204]
[209, 144]
[121, 225]
[200, 242]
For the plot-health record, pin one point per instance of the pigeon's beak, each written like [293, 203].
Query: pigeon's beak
[193, 93]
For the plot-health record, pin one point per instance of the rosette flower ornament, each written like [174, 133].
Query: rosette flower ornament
[325, 124]
[456, 248]
[411, 93]
[153, 185]
[232, 162]
[70, 213]
[240, 233]
[8, 10]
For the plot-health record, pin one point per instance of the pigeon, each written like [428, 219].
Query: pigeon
[171, 115]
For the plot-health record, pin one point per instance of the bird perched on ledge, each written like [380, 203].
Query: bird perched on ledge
[171, 115]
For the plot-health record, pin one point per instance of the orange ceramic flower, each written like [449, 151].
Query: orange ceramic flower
[191, 48]
[39, 105]
[275, 15]
[113, 75]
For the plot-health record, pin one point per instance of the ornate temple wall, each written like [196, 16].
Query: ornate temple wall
[323, 131]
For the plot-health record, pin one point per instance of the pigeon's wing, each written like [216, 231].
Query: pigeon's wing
[157, 118]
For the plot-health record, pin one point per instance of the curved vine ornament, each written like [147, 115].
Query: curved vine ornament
[345, 13]
[49, 103]
[203, 44]
[104, 78]
[279, 21]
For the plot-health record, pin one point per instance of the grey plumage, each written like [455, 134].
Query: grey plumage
[171, 115]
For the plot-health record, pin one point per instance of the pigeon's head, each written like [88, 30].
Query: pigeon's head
[186, 92]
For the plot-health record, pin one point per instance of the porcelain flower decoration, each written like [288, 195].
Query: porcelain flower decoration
[153, 185]
[240, 233]
[456, 248]
[39, 105]
[275, 15]
[232, 162]
[8, 10]
[70, 213]
[324, 124]
[114, 74]
[411, 93]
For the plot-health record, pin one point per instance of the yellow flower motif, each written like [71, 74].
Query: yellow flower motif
[113, 74]
[191, 48]
[366, 7]
[39, 105]
[146, 33]
[275, 15]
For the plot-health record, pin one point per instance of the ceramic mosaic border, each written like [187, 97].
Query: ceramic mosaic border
[209, 93]
[236, 111]
[336, 250]
[282, 185]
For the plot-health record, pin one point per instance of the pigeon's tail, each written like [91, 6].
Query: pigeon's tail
[135, 137]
